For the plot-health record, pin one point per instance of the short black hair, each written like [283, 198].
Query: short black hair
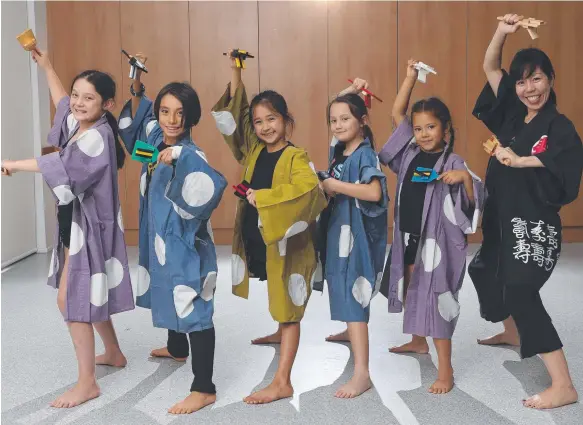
[187, 96]
[525, 63]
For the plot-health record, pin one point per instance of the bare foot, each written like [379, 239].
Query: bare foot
[355, 387]
[163, 352]
[77, 395]
[112, 359]
[551, 398]
[269, 339]
[417, 345]
[274, 391]
[504, 338]
[195, 401]
[444, 382]
[341, 337]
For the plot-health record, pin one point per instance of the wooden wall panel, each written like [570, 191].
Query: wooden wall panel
[363, 43]
[559, 39]
[76, 44]
[214, 28]
[434, 33]
[166, 45]
[306, 51]
[292, 51]
[562, 40]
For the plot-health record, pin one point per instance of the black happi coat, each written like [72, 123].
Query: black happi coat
[524, 203]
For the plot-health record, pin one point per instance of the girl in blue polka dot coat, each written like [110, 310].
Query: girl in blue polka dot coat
[355, 228]
[177, 269]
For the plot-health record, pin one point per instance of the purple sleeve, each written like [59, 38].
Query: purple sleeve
[392, 152]
[467, 213]
[63, 123]
[80, 165]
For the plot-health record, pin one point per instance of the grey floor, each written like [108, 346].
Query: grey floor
[38, 363]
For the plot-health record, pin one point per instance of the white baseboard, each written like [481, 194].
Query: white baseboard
[18, 258]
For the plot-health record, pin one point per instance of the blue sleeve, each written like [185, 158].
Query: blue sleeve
[143, 126]
[369, 170]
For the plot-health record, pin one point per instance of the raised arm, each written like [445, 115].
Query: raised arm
[493, 58]
[55, 86]
[137, 84]
[401, 104]
[235, 76]
[355, 88]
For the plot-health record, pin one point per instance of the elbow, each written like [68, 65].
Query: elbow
[397, 115]
[488, 67]
[377, 196]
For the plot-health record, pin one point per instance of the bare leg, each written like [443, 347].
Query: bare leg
[274, 338]
[561, 392]
[113, 355]
[509, 336]
[360, 381]
[339, 337]
[444, 382]
[281, 386]
[163, 352]
[84, 343]
[192, 403]
[418, 343]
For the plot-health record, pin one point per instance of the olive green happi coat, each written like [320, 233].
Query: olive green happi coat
[287, 214]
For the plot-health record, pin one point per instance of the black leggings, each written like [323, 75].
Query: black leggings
[498, 301]
[202, 345]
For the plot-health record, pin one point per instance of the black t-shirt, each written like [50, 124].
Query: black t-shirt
[337, 164]
[412, 197]
[162, 146]
[262, 179]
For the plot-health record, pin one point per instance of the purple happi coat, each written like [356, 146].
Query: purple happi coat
[431, 306]
[84, 173]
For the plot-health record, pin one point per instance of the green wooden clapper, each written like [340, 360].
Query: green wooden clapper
[144, 152]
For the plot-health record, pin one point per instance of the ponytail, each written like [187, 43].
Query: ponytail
[120, 154]
[368, 135]
[449, 147]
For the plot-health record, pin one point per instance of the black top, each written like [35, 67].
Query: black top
[254, 244]
[337, 163]
[521, 211]
[550, 136]
[412, 196]
[162, 146]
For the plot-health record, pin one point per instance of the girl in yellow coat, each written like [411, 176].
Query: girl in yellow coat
[275, 217]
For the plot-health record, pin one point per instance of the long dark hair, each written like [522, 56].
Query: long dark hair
[274, 101]
[525, 63]
[186, 95]
[105, 87]
[439, 110]
[357, 109]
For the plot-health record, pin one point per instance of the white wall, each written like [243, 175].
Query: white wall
[28, 214]
[46, 213]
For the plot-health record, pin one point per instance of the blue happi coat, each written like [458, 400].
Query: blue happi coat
[356, 239]
[177, 269]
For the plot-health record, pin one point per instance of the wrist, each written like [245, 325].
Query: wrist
[140, 91]
[500, 34]
[519, 162]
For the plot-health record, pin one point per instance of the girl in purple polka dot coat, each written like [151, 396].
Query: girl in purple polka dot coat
[89, 265]
[426, 266]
